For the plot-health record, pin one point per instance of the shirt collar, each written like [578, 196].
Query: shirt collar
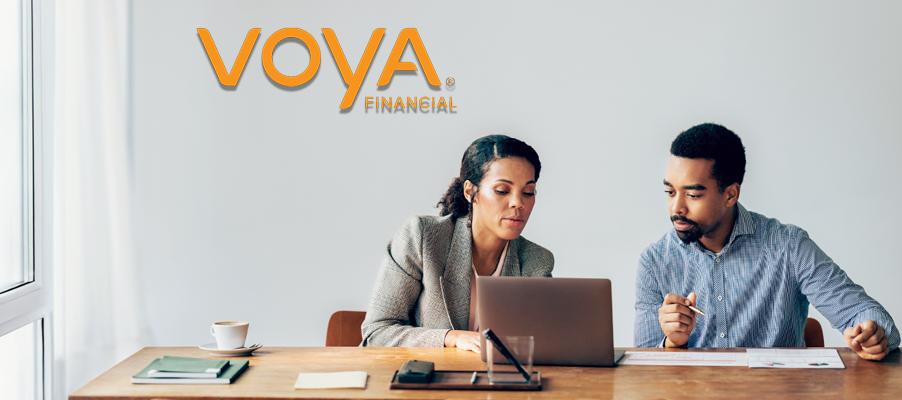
[744, 225]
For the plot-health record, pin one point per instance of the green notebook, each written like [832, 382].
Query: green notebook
[234, 369]
[185, 367]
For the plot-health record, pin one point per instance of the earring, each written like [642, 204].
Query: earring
[470, 215]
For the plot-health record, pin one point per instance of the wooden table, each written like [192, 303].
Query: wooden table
[273, 371]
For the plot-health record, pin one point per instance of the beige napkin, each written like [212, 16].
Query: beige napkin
[331, 380]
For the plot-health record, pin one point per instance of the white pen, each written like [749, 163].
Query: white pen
[473, 378]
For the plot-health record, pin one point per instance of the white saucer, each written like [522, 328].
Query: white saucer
[244, 351]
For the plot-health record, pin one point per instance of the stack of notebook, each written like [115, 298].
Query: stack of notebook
[190, 370]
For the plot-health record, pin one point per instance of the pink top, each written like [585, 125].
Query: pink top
[474, 320]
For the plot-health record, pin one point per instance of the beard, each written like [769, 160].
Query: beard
[693, 234]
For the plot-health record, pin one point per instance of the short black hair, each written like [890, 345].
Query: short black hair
[716, 143]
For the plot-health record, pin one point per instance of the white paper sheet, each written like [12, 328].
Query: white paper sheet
[785, 358]
[706, 358]
[331, 380]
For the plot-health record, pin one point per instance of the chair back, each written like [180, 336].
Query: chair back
[344, 328]
[814, 335]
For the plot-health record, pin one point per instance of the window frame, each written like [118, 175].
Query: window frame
[32, 301]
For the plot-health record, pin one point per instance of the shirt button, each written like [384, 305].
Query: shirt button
[717, 259]
[723, 334]
[719, 298]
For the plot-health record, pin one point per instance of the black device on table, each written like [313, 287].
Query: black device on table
[414, 371]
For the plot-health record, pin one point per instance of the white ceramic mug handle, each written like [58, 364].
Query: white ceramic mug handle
[211, 330]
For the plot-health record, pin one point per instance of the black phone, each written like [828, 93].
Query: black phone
[414, 371]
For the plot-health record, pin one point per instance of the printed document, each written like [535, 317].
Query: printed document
[706, 358]
[787, 358]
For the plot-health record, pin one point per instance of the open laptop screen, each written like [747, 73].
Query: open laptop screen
[570, 318]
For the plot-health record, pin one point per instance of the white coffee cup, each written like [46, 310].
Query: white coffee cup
[229, 334]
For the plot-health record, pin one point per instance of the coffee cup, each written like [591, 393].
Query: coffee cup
[229, 334]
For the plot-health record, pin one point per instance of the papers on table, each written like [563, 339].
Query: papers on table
[331, 380]
[752, 358]
[786, 358]
[719, 359]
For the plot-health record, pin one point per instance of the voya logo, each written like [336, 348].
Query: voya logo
[352, 78]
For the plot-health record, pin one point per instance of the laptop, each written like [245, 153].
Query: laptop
[570, 318]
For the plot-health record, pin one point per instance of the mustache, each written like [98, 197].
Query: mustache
[683, 219]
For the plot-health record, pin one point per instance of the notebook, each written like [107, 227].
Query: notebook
[234, 369]
[186, 367]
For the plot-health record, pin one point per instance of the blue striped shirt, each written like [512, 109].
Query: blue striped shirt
[755, 292]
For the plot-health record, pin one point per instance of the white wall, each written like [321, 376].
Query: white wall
[273, 206]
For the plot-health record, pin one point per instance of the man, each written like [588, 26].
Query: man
[751, 275]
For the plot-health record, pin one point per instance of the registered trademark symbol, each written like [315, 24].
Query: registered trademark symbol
[449, 81]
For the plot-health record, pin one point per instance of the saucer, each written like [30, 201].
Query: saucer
[244, 351]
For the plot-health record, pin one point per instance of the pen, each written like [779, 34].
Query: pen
[473, 379]
[697, 311]
[507, 354]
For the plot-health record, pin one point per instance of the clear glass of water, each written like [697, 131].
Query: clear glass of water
[500, 369]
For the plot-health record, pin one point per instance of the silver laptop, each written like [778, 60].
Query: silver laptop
[570, 318]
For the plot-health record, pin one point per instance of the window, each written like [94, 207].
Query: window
[15, 250]
[25, 294]
[19, 348]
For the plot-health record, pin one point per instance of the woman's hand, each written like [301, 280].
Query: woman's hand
[464, 340]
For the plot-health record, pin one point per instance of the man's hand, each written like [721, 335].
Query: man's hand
[868, 340]
[676, 319]
[464, 340]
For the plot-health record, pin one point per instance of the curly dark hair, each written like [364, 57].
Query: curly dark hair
[477, 158]
[713, 142]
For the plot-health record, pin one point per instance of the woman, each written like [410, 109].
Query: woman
[425, 294]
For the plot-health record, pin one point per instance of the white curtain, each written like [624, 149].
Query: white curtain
[98, 315]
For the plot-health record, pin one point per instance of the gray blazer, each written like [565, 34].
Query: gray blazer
[423, 288]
